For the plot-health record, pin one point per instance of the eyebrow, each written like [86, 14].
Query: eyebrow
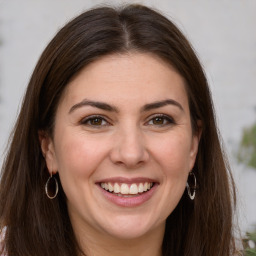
[96, 104]
[159, 104]
[107, 107]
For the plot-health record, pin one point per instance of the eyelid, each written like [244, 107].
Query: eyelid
[167, 117]
[91, 117]
[170, 120]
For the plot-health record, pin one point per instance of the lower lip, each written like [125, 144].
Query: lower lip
[129, 201]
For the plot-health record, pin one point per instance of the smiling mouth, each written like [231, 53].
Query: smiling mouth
[127, 190]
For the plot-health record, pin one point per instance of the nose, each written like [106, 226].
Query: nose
[129, 149]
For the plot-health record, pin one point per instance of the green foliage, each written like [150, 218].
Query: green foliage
[248, 242]
[250, 252]
[247, 148]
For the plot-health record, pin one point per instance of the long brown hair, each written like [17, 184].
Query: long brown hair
[38, 226]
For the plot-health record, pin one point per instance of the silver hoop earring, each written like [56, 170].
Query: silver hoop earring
[50, 186]
[192, 196]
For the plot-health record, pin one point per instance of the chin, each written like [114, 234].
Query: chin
[128, 233]
[127, 228]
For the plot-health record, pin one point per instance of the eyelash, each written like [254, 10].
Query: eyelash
[88, 121]
[165, 118]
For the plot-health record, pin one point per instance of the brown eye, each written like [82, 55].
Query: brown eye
[158, 120]
[161, 120]
[94, 121]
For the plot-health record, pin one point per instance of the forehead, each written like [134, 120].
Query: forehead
[134, 77]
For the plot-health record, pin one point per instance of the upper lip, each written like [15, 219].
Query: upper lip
[127, 180]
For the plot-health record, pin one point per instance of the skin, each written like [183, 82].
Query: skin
[129, 141]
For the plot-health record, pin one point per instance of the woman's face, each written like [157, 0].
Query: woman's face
[123, 145]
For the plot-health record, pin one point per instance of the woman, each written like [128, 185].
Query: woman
[116, 150]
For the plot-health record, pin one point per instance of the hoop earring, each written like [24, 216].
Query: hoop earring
[50, 185]
[192, 196]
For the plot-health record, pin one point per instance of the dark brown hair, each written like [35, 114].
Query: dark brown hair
[38, 226]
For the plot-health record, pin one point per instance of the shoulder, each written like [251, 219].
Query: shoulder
[2, 236]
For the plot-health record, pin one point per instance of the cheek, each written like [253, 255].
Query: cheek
[173, 156]
[79, 155]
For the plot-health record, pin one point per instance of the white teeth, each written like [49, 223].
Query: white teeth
[141, 188]
[116, 188]
[110, 187]
[133, 189]
[126, 189]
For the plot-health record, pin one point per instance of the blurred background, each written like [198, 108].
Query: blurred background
[223, 34]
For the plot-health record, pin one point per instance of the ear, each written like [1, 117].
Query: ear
[48, 151]
[195, 143]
